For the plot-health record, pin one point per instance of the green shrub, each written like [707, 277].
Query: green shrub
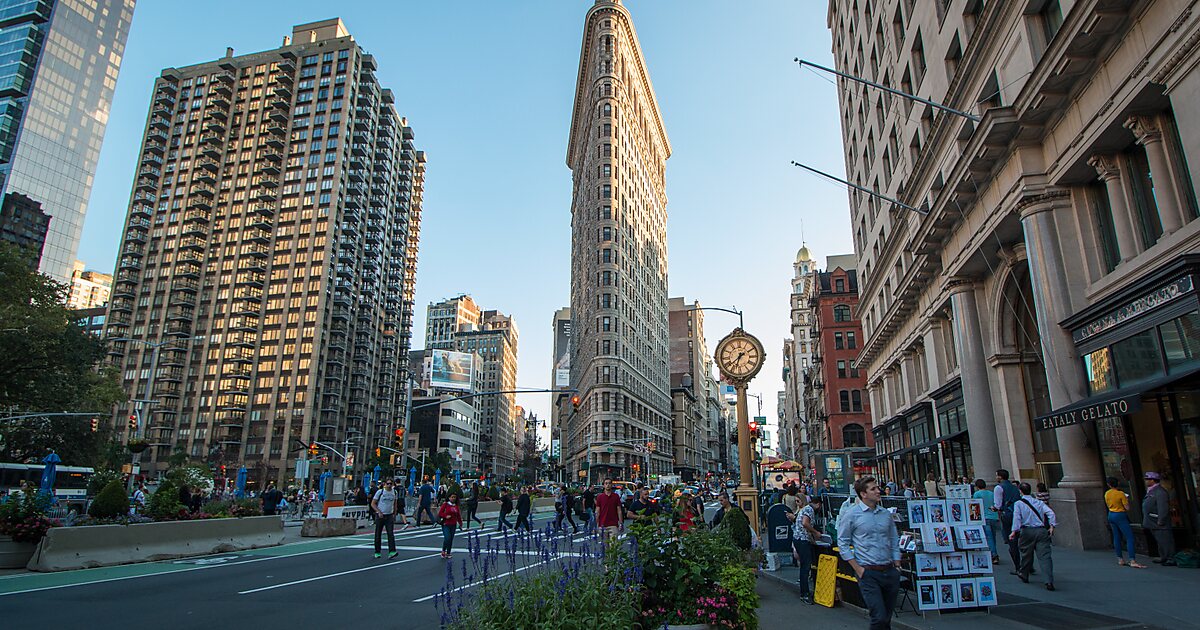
[454, 488]
[737, 525]
[164, 504]
[245, 507]
[740, 581]
[493, 493]
[111, 502]
[99, 480]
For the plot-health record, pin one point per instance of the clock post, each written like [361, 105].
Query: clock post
[739, 356]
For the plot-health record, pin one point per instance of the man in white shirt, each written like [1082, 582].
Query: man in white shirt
[1032, 526]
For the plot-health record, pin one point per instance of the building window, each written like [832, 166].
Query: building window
[1106, 233]
[839, 286]
[850, 341]
[1052, 19]
[856, 400]
[844, 400]
[841, 313]
[841, 367]
[853, 436]
[838, 341]
[1137, 167]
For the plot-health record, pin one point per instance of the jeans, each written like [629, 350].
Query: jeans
[523, 517]
[803, 551]
[991, 529]
[1036, 540]
[1119, 522]
[424, 508]
[503, 524]
[448, 537]
[558, 522]
[879, 591]
[388, 521]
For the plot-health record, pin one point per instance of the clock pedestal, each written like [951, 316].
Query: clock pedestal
[746, 496]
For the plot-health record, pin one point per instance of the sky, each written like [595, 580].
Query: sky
[488, 88]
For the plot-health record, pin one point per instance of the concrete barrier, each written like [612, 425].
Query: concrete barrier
[67, 548]
[492, 508]
[326, 527]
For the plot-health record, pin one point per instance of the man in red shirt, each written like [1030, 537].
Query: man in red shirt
[609, 511]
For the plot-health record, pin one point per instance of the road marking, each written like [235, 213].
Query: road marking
[333, 575]
[473, 584]
[439, 549]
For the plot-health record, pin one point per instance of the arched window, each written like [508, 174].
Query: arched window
[853, 435]
[841, 313]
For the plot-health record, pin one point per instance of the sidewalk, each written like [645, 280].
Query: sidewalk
[1093, 593]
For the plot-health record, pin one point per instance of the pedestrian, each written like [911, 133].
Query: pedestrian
[451, 519]
[687, 514]
[804, 534]
[610, 512]
[790, 498]
[991, 518]
[643, 507]
[506, 507]
[384, 504]
[1156, 518]
[138, 502]
[472, 505]
[909, 491]
[825, 488]
[524, 505]
[401, 504]
[1043, 493]
[868, 540]
[270, 500]
[1118, 521]
[1005, 496]
[933, 489]
[589, 508]
[723, 500]
[185, 497]
[197, 500]
[564, 507]
[1033, 526]
[425, 503]
[892, 488]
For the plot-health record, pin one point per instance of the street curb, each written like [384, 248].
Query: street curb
[896, 621]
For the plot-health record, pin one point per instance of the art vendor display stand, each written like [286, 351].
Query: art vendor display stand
[946, 544]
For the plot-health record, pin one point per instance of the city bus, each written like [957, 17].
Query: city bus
[70, 483]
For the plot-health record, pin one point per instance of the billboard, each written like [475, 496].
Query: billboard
[451, 370]
[562, 349]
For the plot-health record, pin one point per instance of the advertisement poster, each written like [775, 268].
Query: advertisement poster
[451, 370]
[562, 348]
[835, 471]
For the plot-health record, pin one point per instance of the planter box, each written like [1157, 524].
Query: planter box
[67, 548]
[15, 555]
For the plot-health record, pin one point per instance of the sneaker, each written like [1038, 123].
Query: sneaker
[1049, 586]
[378, 556]
[393, 554]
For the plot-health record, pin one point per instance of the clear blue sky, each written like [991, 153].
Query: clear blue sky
[488, 88]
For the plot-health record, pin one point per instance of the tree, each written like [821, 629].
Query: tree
[531, 456]
[48, 364]
[440, 460]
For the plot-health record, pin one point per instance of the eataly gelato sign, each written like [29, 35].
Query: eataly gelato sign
[1085, 413]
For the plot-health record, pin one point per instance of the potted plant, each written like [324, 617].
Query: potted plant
[23, 522]
[137, 446]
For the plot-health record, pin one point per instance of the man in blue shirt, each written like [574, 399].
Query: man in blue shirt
[425, 492]
[867, 539]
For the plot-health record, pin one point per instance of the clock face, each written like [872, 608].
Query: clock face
[739, 357]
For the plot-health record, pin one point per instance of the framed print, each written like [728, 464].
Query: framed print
[970, 537]
[966, 593]
[975, 512]
[985, 591]
[979, 561]
[955, 563]
[929, 565]
[927, 595]
[914, 542]
[956, 512]
[947, 593]
[936, 538]
[958, 491]
[916, 513]
[935, 509]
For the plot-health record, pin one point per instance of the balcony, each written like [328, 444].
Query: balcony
[168, 390]
[279, 114]
[256, 249]
[172, 356]
[270, 181]
[188, 270]
[195, 230]
[181, 313]
[188, 255]
[135, 235]
[252, 264]
[193, 243]
[247, 293]
[245, 306]
[152, 160]
[179, 328]
[250, 278]
[121, 306]
[170, 374]
[184, 285]
[240, 355]
[217, 102]
[248, 323]
[155, 147]
[233, 402]
[264, 194]
[257, 235]
[237, 370]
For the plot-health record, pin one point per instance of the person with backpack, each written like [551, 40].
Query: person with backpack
[1033, 524]
[1005, 497]
[384, 504]
[506, 508]
[564, 506]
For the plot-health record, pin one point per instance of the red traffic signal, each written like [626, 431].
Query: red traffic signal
[400, 433]
[95, 424]
[133, 423]
[312, 449]
[575, 401]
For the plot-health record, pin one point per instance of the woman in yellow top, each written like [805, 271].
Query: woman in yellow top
[1118, 520]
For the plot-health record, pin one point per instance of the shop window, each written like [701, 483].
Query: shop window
[1098, 368]
[1181, 341]
[1137, 359]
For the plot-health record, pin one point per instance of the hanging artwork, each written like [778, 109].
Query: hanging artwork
[936, 538]
[928, 564]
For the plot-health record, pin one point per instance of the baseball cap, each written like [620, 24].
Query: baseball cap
[1150, 474]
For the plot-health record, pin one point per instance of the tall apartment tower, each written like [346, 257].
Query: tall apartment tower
[617, 153]
[449, 317]
[689, 389]
[266, 269]
[798, 353]
[89, 289]
[58, 87]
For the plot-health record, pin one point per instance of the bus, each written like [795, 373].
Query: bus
[70, 482]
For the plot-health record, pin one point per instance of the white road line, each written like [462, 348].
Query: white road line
[466, 586]
[439, 549]
[333, 575]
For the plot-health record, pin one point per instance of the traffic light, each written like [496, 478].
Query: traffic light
[312, 449]
[324, 459]
[575, 401]
[378, 452]
[95, 424]
[400, 438]
[650, 446]
[133, 423]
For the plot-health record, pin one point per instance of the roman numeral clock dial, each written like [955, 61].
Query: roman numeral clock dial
[739, 356]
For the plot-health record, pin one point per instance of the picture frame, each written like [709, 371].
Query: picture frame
[979, 561]
[905, 539]
[914, 543]
[956, 512]
[936, 538]
[928, 565]
[967, 594]
[955, 563]
[976, 513]
[958, 491]
[970, 537]
[947, 594]
[935, 509]
[927, 595]
[985, 591]
[917, 513]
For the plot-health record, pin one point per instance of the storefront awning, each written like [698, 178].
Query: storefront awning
[1108, 404]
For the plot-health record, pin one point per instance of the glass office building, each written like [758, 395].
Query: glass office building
[58, 68]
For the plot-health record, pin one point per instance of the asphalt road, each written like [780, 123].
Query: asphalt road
[309, 583]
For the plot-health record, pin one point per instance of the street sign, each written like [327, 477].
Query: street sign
[458, 451]
[302, 468]
[609, 449]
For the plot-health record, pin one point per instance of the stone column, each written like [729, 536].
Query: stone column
[1170, 207]
[977, 392]
[909, 367]
[1077, 500]
[1110, 172]
[935, 355]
